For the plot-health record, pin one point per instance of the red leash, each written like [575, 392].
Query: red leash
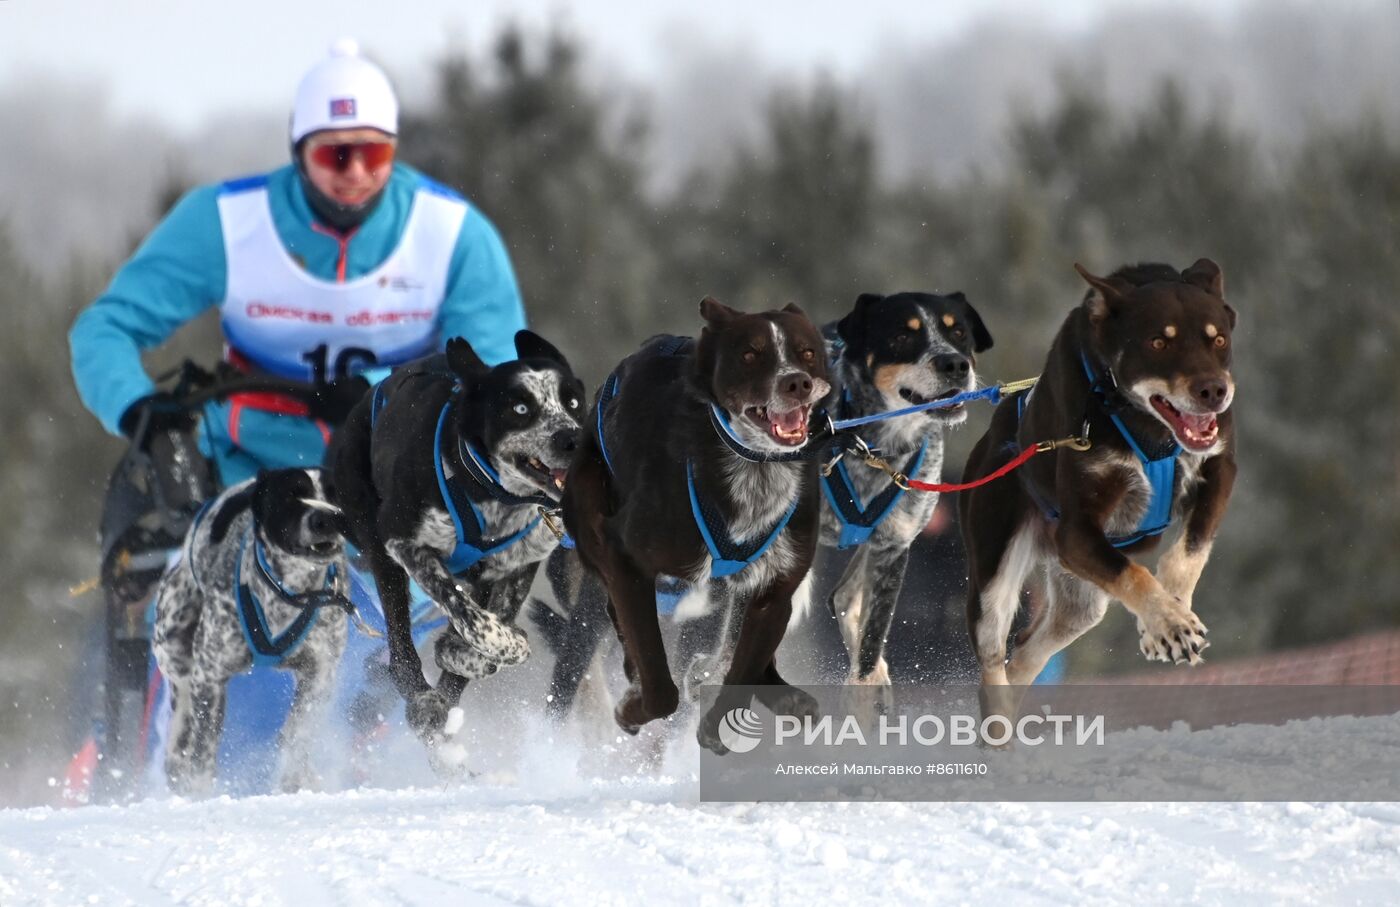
[1013, 464]
[1016, 462]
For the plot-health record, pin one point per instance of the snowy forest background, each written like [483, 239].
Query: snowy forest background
[1270, 143]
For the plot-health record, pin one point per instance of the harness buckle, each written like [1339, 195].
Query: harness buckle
[549, 516]
[880, 463]
[1080, 443]
[831, 464]
[862, 449]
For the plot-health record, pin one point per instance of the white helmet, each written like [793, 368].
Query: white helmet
[344, 91]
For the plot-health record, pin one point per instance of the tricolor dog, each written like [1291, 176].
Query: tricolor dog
[891, 352]
[695, 467]
[261, 578]
[448, 474]
[1142, 368]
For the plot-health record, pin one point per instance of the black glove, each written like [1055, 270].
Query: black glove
[335, 399]
[165, 413]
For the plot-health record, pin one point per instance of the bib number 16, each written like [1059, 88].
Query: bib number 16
[345, 361]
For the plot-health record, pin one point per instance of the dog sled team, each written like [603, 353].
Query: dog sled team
[441, 460]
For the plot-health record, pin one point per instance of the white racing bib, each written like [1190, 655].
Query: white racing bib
[293, 324]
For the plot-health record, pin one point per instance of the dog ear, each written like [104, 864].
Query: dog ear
[1207, 275]
[716, 313]
[529, 345]
[1105, 294]
[794, 309]
[981, 337]
[228, 511]
[852, 327]
[463, 360]
[269, 491]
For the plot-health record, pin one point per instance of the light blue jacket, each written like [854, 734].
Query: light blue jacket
[180, 271]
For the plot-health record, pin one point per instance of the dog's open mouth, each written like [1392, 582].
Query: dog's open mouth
[551, 480]
[789, 428]
[919, 399]
[1194, 431]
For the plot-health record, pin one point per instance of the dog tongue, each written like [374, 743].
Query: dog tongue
[1195, 431]
[558, 476]
[789, 421]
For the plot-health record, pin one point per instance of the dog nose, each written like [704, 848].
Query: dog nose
[797, 385]
[1210, 392]
[565, 440]
[951, 365]
[320, 523]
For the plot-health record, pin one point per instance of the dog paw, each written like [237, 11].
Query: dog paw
[867, 701]
[789, 700]
[1177, 638]
[637, 707]
[515, 648]
[438, 725]
[492, 638]
[707, 731]
[731, 726]
[427, 715]
[455, 656]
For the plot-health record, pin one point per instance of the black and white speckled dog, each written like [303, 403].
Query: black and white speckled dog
[261, 578]
[443, 474]
[890, 352]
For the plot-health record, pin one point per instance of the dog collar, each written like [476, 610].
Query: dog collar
[266, 648]
[720, 420]
[1105, 389]
[474, 466]
[472, 545]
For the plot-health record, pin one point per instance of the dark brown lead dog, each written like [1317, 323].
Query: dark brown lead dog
[1144, 365]
[689, 470]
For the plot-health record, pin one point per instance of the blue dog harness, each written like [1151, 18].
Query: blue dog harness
[267, 649]
[1160, 470]
[859, 522]
[727, 557]
[472, 544]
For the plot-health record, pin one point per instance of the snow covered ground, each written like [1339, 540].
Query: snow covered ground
[546, 833]
[650, 843]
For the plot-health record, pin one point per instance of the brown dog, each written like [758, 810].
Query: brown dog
[696, 467]
[1143, 368]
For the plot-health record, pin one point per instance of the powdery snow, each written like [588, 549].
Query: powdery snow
[649, 842]
[543, 834]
